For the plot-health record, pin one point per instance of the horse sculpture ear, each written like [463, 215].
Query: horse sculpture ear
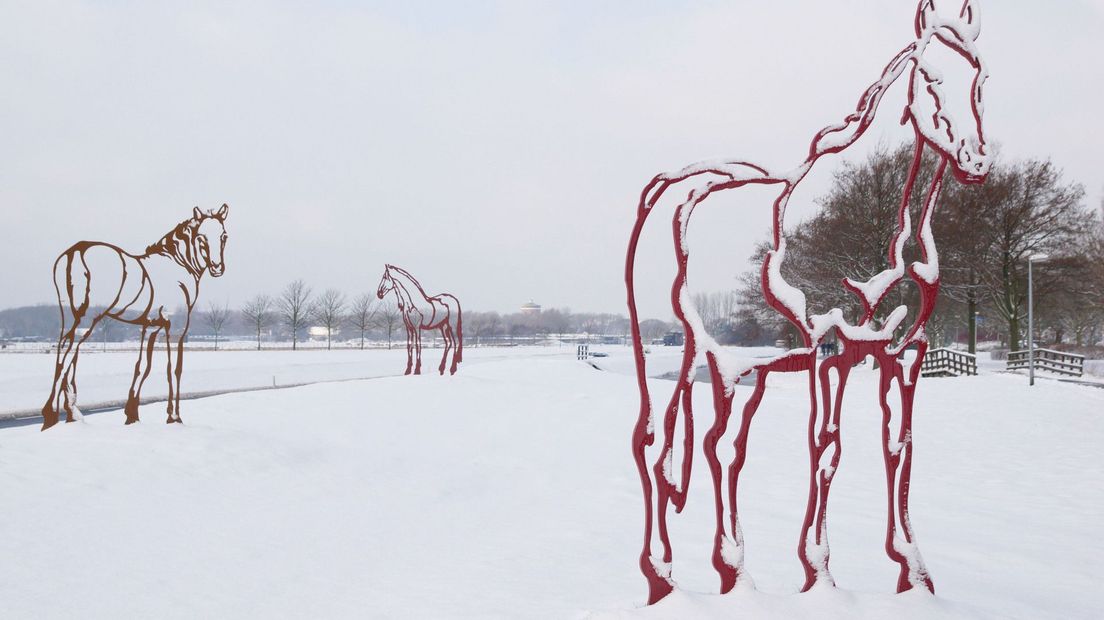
[925, 15]
[197, 214]
[223, 212]
[971, 23]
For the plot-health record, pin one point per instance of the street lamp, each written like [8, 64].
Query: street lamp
[973, 345]
[1031, 260]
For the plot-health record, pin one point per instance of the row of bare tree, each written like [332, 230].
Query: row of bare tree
[296, 308]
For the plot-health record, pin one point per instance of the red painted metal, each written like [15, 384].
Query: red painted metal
[967, 157]
[423, 312]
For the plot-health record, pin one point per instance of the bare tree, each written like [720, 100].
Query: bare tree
[1040, 213]
[294, 307]
[362, 314]
[652, 329]
[329, 310]
[258, 311]
[107, 326]
[215, 318]
[554, 321]
[388, 318]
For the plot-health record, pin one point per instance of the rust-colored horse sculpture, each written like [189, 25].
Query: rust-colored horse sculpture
[421, 311]
[95, 280]
[961, 149]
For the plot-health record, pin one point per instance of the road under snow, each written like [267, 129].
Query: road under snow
[509, 491]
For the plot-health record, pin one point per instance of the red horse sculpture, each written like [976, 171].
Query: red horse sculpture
[420, 311]
[94, 280]
[962, 148]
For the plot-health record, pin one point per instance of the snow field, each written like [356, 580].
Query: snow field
[509, 491]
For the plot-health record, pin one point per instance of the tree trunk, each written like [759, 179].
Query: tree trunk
[1014, 332]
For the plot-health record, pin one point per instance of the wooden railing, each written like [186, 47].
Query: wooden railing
[582, 352]
[1049, 360]
[948, 363]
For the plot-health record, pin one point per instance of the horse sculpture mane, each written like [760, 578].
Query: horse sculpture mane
[179, 244]
[967, 157]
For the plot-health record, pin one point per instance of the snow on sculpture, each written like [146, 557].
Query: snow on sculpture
[962, 147]
[95, 280]
[422, 312]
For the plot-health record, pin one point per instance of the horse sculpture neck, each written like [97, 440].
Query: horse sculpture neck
[401, 291]
[178, 244]
[838, 137]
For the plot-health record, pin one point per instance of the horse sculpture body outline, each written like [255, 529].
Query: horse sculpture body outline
[970, 163]
[424, 312]
[94, 280]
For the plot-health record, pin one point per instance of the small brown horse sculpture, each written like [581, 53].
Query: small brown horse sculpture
[96, 280]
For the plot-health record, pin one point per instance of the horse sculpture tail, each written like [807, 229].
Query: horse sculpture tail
[644, 435]
[459, 355]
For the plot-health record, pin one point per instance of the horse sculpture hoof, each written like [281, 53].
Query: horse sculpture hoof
[49, 417]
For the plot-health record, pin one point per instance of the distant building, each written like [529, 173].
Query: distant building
[530, 308]
[318, 331]
[674, 339]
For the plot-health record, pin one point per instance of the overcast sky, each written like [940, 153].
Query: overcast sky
[495, 149]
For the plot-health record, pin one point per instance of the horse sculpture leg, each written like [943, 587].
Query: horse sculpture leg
[410, 329]
[67, 382]
[727, 566]
[825, 450]
[447, 339]
[176, 369]
[417, 350]
[51, 408]
[669, 491]
[61, 384]
[131, 407]
[141, 371]
[169, 374]
[728, 546]
[659, 582]
[900, 543]
[455, 348]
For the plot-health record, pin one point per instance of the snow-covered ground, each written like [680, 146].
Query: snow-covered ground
[104, 376]
[509, 491]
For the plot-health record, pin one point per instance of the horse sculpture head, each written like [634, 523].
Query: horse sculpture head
[962, 143]
[209, 240]
[386, 283]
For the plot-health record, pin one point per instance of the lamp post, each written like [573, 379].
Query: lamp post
[973, 344]
[1031, 260]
